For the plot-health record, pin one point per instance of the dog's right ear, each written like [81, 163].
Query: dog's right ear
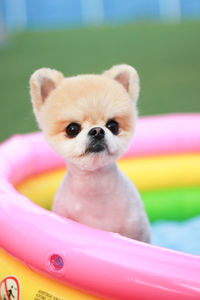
[42, 83]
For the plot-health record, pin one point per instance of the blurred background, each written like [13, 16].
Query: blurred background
[160, 38]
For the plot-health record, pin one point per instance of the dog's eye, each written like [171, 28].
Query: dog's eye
[73, 129]
[113, 126]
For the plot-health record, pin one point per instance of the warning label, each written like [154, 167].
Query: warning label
[10, 288]
[43, 295]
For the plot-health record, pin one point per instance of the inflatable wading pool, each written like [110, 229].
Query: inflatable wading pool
[45, 256]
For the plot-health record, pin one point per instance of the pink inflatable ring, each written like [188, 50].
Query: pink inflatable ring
[101, 263]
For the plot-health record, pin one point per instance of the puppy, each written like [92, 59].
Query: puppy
[89, 120]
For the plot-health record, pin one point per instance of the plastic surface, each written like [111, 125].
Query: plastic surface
[166, 135]
[176, 170]
[172, 203]
[36, 286]
[102, 263]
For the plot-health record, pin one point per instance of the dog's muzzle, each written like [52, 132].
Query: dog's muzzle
[96, 140]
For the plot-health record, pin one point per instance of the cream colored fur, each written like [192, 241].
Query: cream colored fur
[94, 191]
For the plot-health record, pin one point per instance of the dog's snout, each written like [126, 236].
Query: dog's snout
[97, 132]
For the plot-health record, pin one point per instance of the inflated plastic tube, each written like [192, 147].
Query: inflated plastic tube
[96, 261]
[170, 185]
[102, 263]
[172, 203]
[32, 285]
[167, 134]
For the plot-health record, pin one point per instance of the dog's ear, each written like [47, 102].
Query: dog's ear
[42, 83]
[128, 77]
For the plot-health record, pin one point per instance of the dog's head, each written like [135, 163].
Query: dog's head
[87, 119]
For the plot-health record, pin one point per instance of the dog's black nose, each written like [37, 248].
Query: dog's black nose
[97, 133]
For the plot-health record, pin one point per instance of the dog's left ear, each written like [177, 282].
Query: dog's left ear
[128, 77]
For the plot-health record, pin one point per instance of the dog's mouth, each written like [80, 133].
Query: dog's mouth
[96, 147]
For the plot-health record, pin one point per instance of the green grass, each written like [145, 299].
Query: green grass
[167, 57]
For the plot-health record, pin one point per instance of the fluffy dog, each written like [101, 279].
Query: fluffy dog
[89, 120]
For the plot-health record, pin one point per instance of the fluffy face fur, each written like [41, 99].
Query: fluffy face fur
[90, 101]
